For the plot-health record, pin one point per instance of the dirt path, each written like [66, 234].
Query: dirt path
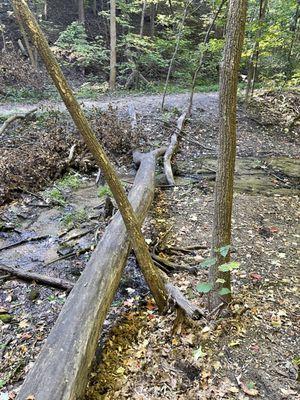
[142, 103]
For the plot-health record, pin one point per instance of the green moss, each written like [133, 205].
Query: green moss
[74, 218]
[104, 191]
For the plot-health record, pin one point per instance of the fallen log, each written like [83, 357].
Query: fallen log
[172, 149]
[13, 118]
[39, 278]
[62, 368]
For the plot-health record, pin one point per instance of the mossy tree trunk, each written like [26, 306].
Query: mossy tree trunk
[154, 279]
[227, 149]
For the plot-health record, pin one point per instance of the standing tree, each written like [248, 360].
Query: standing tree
[143, 18]
[113, 45]
[203, 50]
[219, 273]
[179, 35]
[253, 61]
[81, 16]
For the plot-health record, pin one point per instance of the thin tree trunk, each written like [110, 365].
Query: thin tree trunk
[253, 62]
[155, 280]
[113, 45]
[143, 18]
[81, 16]
[153, 10]
[202, 53]
[25, 38]
[45, 10]
[179, 34]
[95, 7]
[294, 29]
[227, 149]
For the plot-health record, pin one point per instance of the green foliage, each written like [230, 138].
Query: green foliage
[104, 191]
[70, 181]
[56, 196]
[204, 287]
[74, 218]
[229, 266]
[75, 47]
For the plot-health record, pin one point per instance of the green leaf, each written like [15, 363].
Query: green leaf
[204, 287]
[208, 262]
[220, 280]
[199, 353]
[224, 291]
[2, 383]
[224, 250]
[229, 266]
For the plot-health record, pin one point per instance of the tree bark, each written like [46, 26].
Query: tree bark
[153, 10]
[202, 53]
[113, 45]
[95, 7]
[172, 149]
[154, 279]
[62, 368]
[227, 149]
[81, 15]
[143, 18]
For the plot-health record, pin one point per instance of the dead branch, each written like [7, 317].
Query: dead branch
[13, 118]
[39, 278]
[171, 150]
[24, 241]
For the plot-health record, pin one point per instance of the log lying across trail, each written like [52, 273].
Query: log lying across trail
[13, 118]
[61, 370]
[172, 149]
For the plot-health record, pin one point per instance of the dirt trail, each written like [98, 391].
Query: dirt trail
[142, 103]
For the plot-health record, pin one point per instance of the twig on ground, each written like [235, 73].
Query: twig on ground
[33, 276]
[20, 242]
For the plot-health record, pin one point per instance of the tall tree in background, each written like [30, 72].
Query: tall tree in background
[235, 29]
[253, 61]
[113, 45]
[143, 18]
[81, 15]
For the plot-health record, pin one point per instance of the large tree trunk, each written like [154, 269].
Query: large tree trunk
[62, 368]
[155, 280]
[227, 149]
[113, 45]
[81, 16]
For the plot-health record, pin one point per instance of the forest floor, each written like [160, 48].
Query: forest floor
[251, 352]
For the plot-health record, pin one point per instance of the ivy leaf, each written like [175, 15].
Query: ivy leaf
[224, 291]
[229, 266]
[208, 262]
[224, 250]
[204, 287]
